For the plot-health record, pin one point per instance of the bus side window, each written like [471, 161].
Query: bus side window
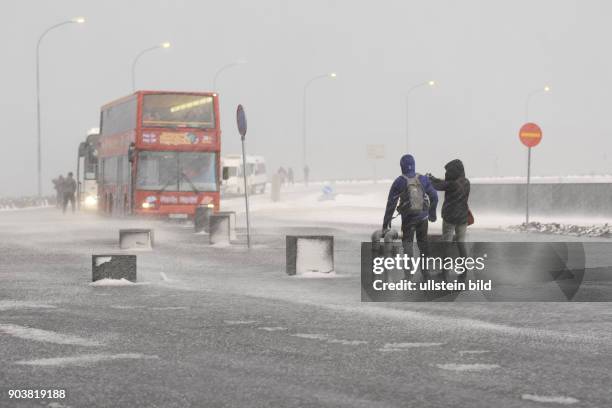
[225, 173]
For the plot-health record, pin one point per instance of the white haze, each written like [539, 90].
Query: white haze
[486, 56]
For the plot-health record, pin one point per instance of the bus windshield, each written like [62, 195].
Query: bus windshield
[177, 110]
[177, 171]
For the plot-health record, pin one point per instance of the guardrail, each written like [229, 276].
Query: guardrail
[579, 199]
[11, 203]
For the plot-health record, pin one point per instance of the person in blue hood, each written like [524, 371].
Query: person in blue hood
[413, 223]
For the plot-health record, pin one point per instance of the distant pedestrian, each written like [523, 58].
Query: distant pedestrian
[58, 185]
[69, 190]
[306, 174]
[290, 176]
[455, 208]
[417, 205]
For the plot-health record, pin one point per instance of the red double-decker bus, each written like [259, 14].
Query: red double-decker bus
[158, 154]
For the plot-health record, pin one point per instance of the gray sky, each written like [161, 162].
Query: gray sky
[486, 55]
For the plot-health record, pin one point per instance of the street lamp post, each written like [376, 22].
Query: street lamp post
[222, 69]
[427, 83]
[306, 85]
[140, 54]
[77, 20]
[527, 104]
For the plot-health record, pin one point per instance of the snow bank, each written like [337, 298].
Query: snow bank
[594, 231]
[543, 179]
[495, 203]
[112, 282]
[575, 178]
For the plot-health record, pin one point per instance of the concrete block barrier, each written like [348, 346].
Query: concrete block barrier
[219, 229]
[232, 221]
[309, 254]
[136, 238]
[201, 217]
[113, 267]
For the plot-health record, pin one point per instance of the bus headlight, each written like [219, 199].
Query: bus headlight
[211, 205]
[91, 201]
[149, 202]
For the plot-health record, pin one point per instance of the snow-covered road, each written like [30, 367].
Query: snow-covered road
[226, 327]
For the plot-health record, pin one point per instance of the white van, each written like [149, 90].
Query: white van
[87, 178]
[233, 182]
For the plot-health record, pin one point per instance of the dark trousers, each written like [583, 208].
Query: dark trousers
[68, 197]
[409, 230]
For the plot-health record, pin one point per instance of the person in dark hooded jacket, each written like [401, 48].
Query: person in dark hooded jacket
[455, 207]
[417, 223]
[69, 188]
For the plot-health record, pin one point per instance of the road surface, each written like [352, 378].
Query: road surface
[226, 327]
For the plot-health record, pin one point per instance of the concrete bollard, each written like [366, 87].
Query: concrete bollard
[200, 219]
[219, 229]
[136, 238]
[309, 253]
[232, 222]
[113, 267]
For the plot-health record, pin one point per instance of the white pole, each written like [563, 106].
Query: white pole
[528, 184]
[38, 125]
[527, 101]
[140, 54]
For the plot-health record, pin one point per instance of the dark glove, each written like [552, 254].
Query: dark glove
[433, 218]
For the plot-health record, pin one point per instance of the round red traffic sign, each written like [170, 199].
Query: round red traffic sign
[530, 134]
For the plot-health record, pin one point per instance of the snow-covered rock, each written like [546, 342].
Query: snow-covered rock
[597, 231]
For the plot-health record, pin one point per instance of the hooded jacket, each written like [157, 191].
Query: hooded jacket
[456, 193]
[58, 184]
[69, 185]
[407, 165]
